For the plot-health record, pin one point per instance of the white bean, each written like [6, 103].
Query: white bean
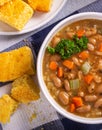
[81, 94]
[76, 61]
[55, 41]
[90, 98]
[80, 75]
[98, 103]
[97, 79]
[90, 31]
[92, 40]
[70, 34]
[90, 47]
[67, 85]
[98, 37]
[63, 97]
[71, 75]
[84, 108]
[57, 81]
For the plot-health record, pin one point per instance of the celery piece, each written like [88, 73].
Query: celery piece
[74, 84]
[86, 67]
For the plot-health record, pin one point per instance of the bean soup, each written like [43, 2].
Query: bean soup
[72, 68]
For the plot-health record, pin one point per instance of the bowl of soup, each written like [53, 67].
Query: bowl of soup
[69, 67]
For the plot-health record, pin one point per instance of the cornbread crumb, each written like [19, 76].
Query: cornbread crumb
[24, 89]
[16, 13]
[41, 5]
[7, 107]
[33, 116]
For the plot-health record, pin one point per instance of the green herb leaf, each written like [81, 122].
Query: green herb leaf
[51, 50]
[81, 42]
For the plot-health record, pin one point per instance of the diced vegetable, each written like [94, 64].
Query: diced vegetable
[100, 47]
[60, 72]
[77, 101]
[74, 84]
[88, 78]
[66, 47]
[53, 65]
[72, 107]
[68, 64]
[84, 55]
[86, 67]
[80, 33]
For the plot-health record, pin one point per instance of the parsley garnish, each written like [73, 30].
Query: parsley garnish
[66, 48]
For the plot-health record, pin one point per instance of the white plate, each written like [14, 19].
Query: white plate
[38, 20]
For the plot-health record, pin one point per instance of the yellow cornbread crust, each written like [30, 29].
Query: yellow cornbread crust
[16, 13]
[15, 63]
[24, 90]
[40, 5]
[7, 107]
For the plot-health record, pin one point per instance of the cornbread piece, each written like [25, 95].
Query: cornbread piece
[24, 89]
[41, 5]
[16, 13]
[2, 2]
[7, 108]
[16, 63]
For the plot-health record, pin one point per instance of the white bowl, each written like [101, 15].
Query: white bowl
[67, 21]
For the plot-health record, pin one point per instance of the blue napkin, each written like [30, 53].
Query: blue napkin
[35, 41]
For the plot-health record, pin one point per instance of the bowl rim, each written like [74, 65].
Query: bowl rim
[59, 26]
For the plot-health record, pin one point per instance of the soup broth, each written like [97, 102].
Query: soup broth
[72, 68]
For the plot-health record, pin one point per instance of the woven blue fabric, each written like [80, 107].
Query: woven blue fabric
[35, 42]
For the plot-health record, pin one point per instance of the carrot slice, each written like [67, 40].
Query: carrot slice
[80, 33]
[100, 47]
[77, 101]
[72, 107]
[53, 65]
[68, 64]
[84, 55]
[88, 78]
[60, 72]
